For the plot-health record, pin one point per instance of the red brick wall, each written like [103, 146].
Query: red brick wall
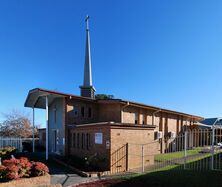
[109, 112]
[94, 149]
[71, 118]
[135, 137]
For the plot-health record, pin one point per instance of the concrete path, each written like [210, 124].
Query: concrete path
[64, 176]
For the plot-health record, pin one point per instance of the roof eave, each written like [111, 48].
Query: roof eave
[160, 109]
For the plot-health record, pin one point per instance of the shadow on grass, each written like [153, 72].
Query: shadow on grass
[174, 178]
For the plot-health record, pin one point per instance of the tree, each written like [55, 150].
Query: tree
[104, 96]
[16, 124]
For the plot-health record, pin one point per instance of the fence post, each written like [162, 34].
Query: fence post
[185, 149]
[127, 159]
[142, 158]
[20, 143]
[212, 148]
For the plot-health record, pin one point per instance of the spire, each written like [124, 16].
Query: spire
[87, 67]
[87, 90]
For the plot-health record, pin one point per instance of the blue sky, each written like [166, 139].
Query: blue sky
[162, 53]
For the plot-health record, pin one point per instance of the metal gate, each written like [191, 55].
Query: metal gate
[197, 149]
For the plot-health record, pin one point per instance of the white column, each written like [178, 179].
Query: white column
[185, 148]
[47, 123]
[33, 130]
[212, 148]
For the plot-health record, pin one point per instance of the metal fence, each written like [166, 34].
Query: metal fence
[197, 149]
[12, 142]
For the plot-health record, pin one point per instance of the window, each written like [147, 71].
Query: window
[82, 111]
[166, 125]
[89, 112]
[83, 140]
[75, 110]
[74, 140]
[144, 119]
[136, 118]
[87, 141]
[155, 135]
[77, 140]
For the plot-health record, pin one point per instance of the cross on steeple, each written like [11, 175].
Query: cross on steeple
[87, 89]
[87, 22]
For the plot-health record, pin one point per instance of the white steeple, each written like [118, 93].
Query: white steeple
[87, 90]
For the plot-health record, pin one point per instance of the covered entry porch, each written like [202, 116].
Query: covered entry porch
[54, 105]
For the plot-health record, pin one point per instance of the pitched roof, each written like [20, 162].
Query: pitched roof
[155, 108]
[212, 121]
[35, 99]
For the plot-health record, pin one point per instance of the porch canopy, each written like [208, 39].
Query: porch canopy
[41, 98]
[37, 97]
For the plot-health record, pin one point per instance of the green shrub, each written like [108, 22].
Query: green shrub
[7, 151]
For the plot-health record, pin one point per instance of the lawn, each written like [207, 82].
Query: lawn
[197, 174]
[176, 155]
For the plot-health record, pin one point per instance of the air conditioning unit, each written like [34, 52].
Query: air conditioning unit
[172, 134]
[158, 134]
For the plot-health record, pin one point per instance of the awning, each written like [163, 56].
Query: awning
[36, 98]
[203, 125]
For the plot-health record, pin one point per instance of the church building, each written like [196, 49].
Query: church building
[87, 127]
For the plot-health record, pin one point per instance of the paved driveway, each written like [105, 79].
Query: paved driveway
[64, 176]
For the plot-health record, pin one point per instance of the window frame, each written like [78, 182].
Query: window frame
[75, 110]
[89, 112]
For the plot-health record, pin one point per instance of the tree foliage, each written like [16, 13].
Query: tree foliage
[104, 96]
[16, 124]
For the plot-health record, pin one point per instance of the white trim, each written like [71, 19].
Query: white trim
[91, 124]
[47, 127]
[201, 124]
[33, 130]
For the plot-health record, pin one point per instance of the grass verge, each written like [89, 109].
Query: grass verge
[176, 155]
